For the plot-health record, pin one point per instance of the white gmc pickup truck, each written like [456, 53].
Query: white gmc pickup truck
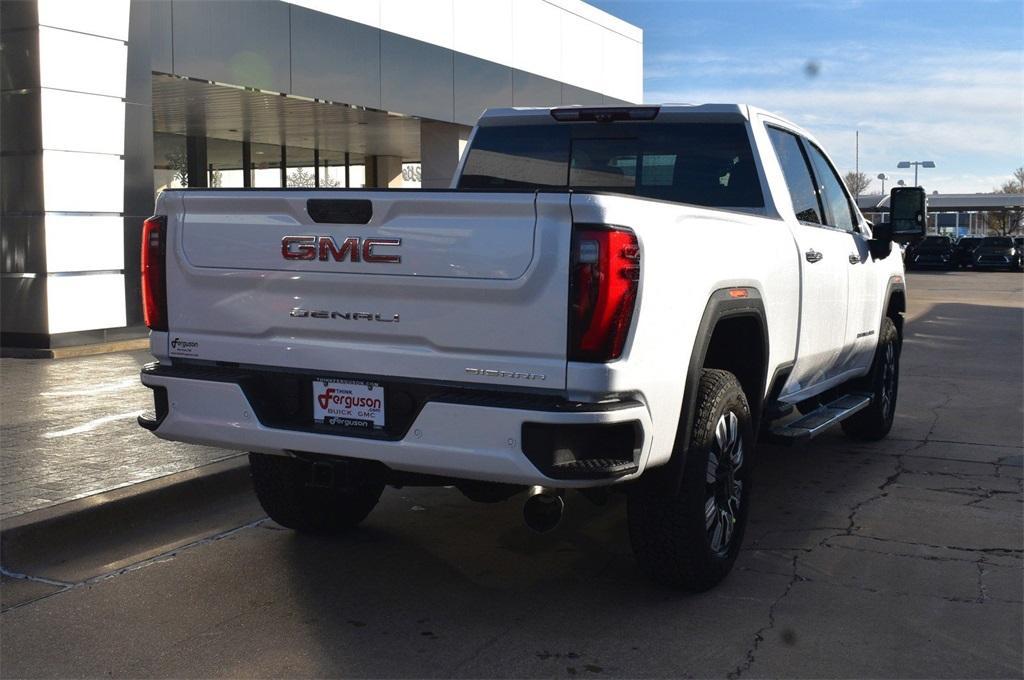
[619, 298]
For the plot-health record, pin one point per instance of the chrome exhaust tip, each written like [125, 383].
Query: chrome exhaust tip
[543, 508]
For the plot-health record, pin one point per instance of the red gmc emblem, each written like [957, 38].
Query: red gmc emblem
[324, 247]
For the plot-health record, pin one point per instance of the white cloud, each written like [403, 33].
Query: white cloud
[962, 108]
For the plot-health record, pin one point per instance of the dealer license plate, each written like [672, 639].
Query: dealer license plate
[348, 403]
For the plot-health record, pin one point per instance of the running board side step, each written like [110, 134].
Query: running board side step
[821, 418]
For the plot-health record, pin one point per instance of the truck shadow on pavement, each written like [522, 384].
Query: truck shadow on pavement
[847, 541]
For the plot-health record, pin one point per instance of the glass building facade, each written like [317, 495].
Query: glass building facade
[105, 103]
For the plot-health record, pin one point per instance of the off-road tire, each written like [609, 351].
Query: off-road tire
[875, 421]
[284, 487]
[669, 524]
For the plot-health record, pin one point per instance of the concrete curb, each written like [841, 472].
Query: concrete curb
[130, 509]
[74, 351]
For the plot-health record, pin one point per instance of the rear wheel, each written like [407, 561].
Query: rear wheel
[325, 498]
[689, 537]
[875, 421]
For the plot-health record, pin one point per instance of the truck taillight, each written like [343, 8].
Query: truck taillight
[154, 273]
[602, 291]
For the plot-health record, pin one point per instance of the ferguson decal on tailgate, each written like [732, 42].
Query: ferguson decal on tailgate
[182, 347]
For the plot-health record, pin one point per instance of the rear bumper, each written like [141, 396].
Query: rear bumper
[449, 439]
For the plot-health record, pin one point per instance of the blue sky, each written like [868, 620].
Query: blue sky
[940, 81]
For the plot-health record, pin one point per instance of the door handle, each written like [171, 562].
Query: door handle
[813, 256]
[854, 258]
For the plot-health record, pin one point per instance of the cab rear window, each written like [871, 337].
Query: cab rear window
[707, 164]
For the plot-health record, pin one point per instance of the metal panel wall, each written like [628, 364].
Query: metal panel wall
[334, 59]
[233, 41]
[138, 143]
[529, 89]
[161, 46]
[416, 78]
[22, 236]
[479, 85]
[292, 49]
[577, 95]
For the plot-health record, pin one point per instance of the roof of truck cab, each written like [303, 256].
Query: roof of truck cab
[666, 113]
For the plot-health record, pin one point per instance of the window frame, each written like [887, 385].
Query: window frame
[810, 172]
[819, 188]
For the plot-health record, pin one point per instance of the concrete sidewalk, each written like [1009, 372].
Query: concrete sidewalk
[68, 430]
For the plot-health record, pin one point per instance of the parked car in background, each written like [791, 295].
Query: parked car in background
[935, 252]
[997, 252]
[964, 249]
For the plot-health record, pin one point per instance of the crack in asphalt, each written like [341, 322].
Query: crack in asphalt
[982, 589]
[928, 558]
[981, 598]
[135, 566]
[851, 530]
[883, 488]
[759, 636]
[952, 441]
[988, 495]
[1005, 552]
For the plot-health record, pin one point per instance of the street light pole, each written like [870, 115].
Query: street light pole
[917, 164]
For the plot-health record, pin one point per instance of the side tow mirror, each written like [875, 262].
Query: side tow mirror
[879, 249]
[881, 245]
[908, 213]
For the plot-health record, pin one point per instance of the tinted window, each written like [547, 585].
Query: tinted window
[837, 205]
[997, 242]
[522, 157]
[709, 164]
[798, 177]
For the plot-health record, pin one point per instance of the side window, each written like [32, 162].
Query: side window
[838, 211]
[798, 176]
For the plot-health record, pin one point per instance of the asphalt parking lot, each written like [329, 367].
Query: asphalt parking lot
[901, 558]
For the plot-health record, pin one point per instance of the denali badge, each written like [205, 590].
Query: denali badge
[301, 313]
[322, 247]
[494, 373]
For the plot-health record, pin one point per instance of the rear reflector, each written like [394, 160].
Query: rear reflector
[154, 273]
[602, 291]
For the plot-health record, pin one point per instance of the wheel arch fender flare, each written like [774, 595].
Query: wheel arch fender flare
[723, 304]
[895, 294]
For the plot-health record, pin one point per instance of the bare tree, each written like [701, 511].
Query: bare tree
[1007, 221]
[1014, 185]
[857, 182]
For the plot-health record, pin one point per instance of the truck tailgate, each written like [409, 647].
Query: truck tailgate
[446, 286]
